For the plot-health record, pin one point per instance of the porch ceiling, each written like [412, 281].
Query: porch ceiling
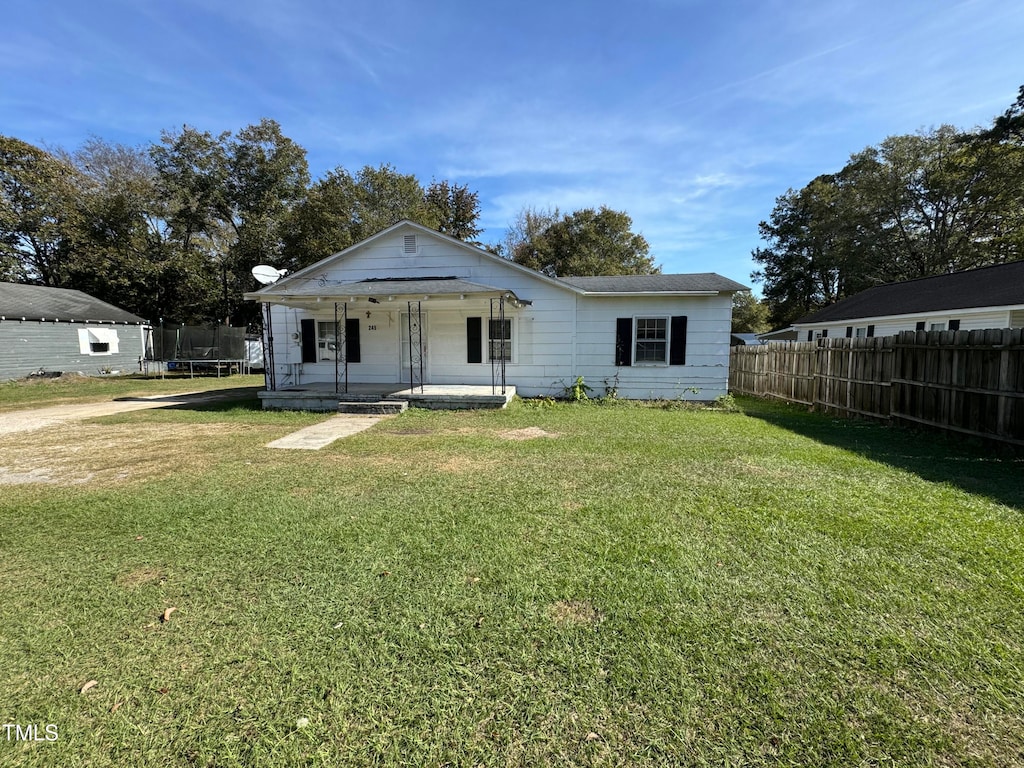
[381, 290]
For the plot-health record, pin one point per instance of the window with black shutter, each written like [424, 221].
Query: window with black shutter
[677, 341]
[624, 341]
[352, 352]
[474, 339]
[308, 328]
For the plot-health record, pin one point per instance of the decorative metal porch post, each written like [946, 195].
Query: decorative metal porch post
[415, 320]
[340, 349]
[497, 361]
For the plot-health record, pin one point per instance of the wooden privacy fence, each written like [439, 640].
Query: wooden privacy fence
[968, 382]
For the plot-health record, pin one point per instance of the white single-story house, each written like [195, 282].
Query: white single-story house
[415, 307]
[989, 297]
[58, 330]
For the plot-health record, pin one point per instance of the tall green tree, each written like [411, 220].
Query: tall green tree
[229, 198]
[452, 209]
[524, 233]
[913, 206]
[38, 213]
[341, 209]
[586, 242]
[749, 315]
[267, 177]
[125, 252]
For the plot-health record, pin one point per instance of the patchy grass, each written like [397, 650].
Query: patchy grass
[641, 587]
[32, 393]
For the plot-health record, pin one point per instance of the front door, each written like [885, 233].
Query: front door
[413, 346]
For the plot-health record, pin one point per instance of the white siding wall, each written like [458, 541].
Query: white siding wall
[552, 343]
[541, 358]
[707, 346]
[888, 326]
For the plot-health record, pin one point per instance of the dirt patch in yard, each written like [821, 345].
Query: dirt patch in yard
[140, 577]
[77, 453]
[568, 613]
[527, 433]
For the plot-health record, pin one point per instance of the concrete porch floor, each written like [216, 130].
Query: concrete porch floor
[320, 396]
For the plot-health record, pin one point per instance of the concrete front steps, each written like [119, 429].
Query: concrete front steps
[378, 408]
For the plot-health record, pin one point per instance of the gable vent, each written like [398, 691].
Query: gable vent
[410, 244]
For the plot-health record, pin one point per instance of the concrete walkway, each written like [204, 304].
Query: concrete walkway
[326, 432]
[31, 419]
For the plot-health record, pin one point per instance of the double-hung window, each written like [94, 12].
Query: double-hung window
[651, 345]
[499, 331]
[327, 340]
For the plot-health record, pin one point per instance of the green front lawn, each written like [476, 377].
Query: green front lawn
[548, 585]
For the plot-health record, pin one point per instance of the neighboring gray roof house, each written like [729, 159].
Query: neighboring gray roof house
[57, 329]
[989, 297]
[40, 302]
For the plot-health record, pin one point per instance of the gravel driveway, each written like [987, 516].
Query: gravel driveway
[39, 418]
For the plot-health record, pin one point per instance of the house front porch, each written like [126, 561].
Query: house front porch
[321, 396]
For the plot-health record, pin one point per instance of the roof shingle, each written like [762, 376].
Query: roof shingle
[996, 286]
[39, 302]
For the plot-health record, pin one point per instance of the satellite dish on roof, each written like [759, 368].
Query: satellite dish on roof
[266, 275]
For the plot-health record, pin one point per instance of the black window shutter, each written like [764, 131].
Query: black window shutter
[474, 339]
[871, 330]
[920, 326]
[352, 340]
[624, 341]
[677, 339]
[954, 325]
[308, 340]
[824, 334]
[810, 335]
[849, 331]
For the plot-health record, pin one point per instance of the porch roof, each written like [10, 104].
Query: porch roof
[380, 289]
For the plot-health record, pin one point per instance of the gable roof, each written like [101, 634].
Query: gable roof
[701, 282]
[39, 302]
[1000, 285]
[282, 286]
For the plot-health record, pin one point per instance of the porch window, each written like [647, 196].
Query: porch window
[326, 349]
[651, 340]
[326, 333]
[496, 331]
[861, 332]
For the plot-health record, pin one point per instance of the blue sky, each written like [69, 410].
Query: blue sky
[690, 115]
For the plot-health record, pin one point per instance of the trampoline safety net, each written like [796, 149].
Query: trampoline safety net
[196, 342]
